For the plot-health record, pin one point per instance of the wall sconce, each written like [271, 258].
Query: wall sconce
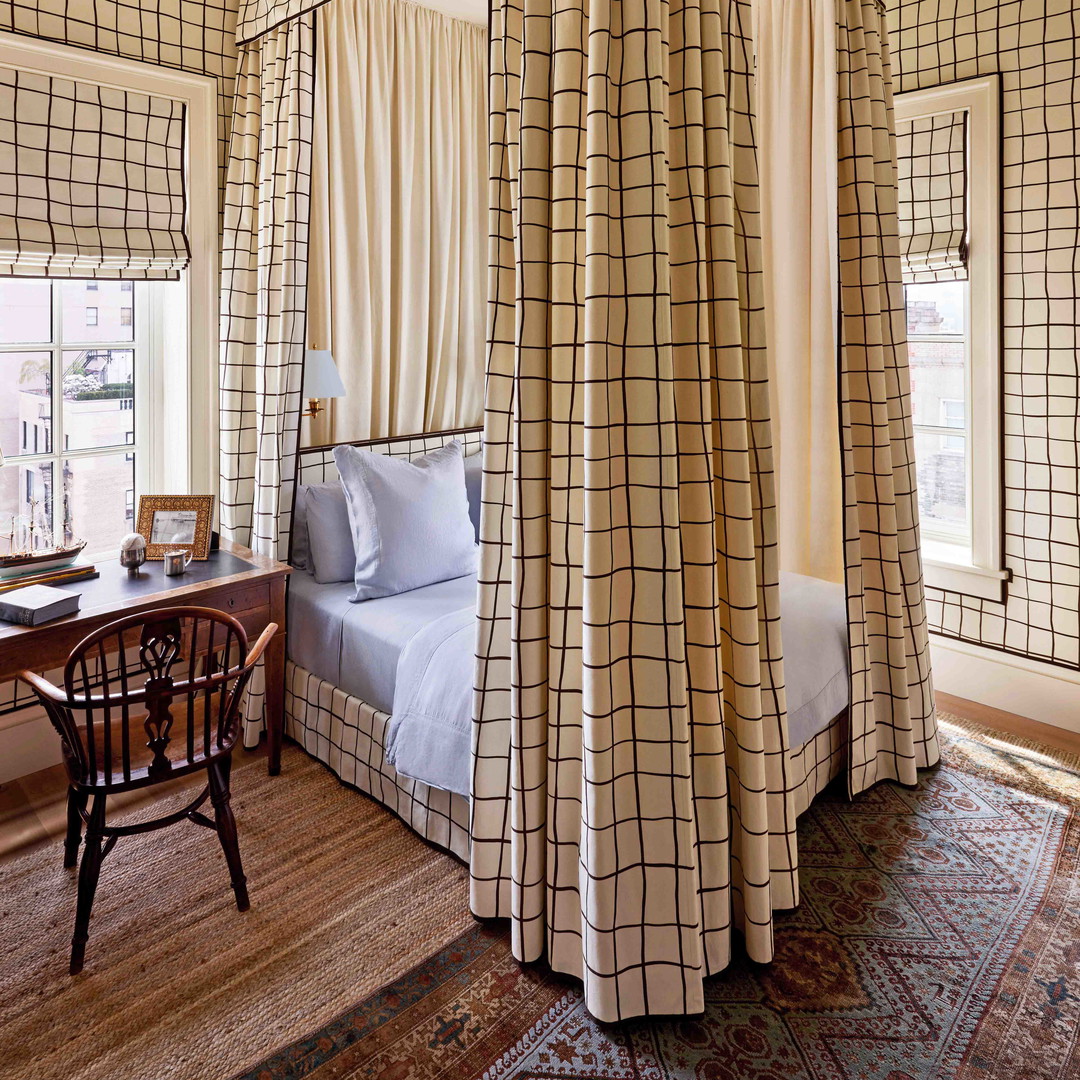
[321, 379]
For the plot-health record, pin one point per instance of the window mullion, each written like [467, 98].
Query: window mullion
[57, 424]
[938, 429]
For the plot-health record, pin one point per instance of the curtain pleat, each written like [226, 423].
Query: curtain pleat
[893, 725]
[796, 97]
[630, 806]
[264, 296]
[399, 218]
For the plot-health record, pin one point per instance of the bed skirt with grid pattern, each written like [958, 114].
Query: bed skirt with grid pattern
[348, 736]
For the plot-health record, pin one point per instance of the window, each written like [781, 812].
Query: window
[80, 394]
[954, 353]
[87, 366]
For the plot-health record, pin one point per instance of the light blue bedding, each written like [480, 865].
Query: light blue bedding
[412, 655]
[814, 630]
[429, 737]
[356, 646]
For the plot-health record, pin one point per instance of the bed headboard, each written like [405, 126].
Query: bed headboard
[315, 464]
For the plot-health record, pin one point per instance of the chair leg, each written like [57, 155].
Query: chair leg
[76, 801]
[219, 773]
[88, 879]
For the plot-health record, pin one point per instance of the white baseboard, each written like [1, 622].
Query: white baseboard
[1010, 683]
[27, 743]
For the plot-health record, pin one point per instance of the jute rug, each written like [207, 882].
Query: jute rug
[178, 985]
[938, 938]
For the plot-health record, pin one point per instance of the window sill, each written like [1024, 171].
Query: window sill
[942, 570]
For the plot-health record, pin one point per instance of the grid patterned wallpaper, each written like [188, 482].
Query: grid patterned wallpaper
[190, 35]
[1035, 45]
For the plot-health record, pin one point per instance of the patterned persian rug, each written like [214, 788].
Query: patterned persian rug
[938, 937]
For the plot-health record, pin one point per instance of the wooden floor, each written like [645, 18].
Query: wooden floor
[32, 808]
[1047, 734]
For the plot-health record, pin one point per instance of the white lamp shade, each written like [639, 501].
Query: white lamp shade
[321, 378]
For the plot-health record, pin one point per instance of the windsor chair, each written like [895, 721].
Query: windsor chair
[147, 699]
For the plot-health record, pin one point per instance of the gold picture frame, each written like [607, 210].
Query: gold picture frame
[165, 519]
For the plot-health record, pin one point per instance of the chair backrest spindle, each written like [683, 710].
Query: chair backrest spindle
[169, 666]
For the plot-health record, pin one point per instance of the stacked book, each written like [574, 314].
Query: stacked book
[32, 605]
[32, 599]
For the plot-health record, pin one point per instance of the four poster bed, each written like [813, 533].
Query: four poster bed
[634, 762]
[347, 660]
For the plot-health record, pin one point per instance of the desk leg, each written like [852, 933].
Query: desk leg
[275, 679]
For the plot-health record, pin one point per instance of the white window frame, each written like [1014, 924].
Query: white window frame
[54, 349]
[977, 570]
[178, 427]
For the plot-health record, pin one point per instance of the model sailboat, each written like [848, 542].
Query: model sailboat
[25, 552]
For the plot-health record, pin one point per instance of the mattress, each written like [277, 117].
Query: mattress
[356, 647]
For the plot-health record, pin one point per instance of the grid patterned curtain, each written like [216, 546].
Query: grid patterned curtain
[258, 17]
[931, 159]
[893, 727]
[264, 295]
[629, 804]
[91, 180]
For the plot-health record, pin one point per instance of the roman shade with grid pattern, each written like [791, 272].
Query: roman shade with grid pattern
[931, 154]
[91, 180]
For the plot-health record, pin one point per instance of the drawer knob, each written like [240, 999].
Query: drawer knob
[232, 601]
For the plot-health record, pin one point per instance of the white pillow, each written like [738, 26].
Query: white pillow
[410, 519]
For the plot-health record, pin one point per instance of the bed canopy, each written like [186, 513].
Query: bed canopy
[674, 411]
[633, 793]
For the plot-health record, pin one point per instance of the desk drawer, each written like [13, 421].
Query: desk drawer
[242, 600]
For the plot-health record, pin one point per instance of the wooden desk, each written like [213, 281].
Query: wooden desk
[248, 586]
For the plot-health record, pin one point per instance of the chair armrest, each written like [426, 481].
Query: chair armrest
[43, 687]
[256, 651]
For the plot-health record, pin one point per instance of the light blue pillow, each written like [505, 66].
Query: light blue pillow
[474, 475]
[329, 533]
[298, 554]
[410, 519]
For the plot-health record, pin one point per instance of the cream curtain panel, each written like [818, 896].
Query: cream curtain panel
[399, 218]
[931, 158]
[796, 94]
[629, 805]
[893, 726]
[91, 181]
[264, 296]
